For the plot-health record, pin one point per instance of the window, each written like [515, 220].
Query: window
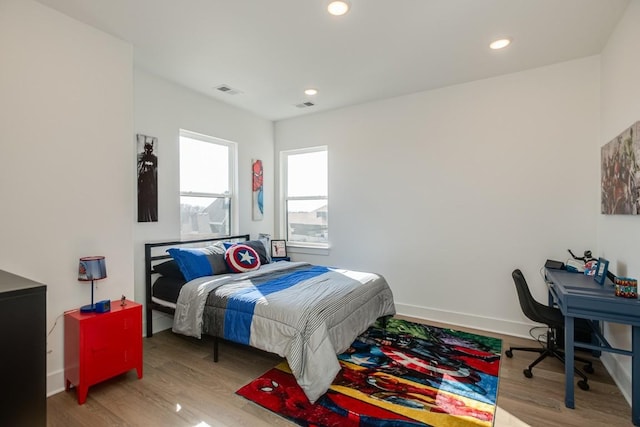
[306, 201]
[207, 171]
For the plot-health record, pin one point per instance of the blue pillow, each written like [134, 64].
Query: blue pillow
[198, 262]
[193, 263]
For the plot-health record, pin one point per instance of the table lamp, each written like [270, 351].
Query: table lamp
[91, 268]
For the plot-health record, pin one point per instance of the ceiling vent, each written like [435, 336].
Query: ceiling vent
[227, 89]
[305, 104]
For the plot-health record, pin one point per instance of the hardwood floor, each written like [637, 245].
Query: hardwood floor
[183, 387]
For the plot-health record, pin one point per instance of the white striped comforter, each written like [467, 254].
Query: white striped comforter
[303, 312]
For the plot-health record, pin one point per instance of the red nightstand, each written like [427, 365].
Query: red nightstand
[99, 346]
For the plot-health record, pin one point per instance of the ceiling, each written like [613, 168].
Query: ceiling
[271, 50]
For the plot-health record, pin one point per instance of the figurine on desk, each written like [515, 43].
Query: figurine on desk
[580, 264]
[586, 258]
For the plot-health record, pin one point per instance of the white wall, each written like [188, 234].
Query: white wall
[445, 192]
[619, 235]
[161, 110]
[66, 172]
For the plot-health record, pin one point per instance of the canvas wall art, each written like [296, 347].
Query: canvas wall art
[620, 173]
[258, 190]
[147, 178]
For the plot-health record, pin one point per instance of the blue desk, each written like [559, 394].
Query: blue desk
[578, 295]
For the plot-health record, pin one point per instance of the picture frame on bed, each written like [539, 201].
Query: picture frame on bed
[278, 249]
[601, 271]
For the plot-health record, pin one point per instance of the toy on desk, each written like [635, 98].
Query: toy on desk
[574, 266]
[582, 264]
[590, 268]
[123, 301]
[586, 258]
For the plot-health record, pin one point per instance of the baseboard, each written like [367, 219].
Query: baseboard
[55, 382]
[161, 321]
[620, 376]
[501, 326]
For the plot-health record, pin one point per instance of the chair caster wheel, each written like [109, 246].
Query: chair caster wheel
[527, 373]
[509, 353]
[589, 369]
[583, 385]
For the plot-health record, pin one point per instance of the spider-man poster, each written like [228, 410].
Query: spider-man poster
[258, 195]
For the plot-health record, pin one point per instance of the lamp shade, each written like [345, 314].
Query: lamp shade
[92, 268]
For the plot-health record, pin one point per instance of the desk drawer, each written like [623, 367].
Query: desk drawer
[609, 309]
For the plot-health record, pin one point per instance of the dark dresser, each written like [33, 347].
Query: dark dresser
[23, 354]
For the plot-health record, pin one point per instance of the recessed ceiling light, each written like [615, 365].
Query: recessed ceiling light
[311, 91]
[500, 44]
[338, 7]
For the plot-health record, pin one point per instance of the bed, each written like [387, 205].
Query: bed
[303, 312]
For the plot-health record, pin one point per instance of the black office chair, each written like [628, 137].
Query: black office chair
[554, 319]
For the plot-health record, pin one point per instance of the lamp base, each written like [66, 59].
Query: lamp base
[90, 308]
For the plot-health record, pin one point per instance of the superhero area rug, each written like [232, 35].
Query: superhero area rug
[395, 375]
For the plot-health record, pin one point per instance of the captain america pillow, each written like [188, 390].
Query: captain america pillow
[258, 245]
[241, 258]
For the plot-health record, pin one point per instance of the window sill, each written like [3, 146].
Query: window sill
[295, 248]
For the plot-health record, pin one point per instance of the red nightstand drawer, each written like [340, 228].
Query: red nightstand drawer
[99, 346]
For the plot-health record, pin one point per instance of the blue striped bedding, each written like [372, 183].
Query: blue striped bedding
[303, 312]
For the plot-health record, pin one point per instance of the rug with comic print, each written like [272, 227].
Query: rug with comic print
[396, 374]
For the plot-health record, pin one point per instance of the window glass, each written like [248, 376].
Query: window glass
[206, 185]
[305, 175]
[309, 173]
[204, 166]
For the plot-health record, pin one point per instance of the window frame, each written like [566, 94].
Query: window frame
[297, 246]
[232, 194]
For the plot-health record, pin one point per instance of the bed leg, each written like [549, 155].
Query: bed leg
[149, 323]
[384, 321]
[215, 349]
